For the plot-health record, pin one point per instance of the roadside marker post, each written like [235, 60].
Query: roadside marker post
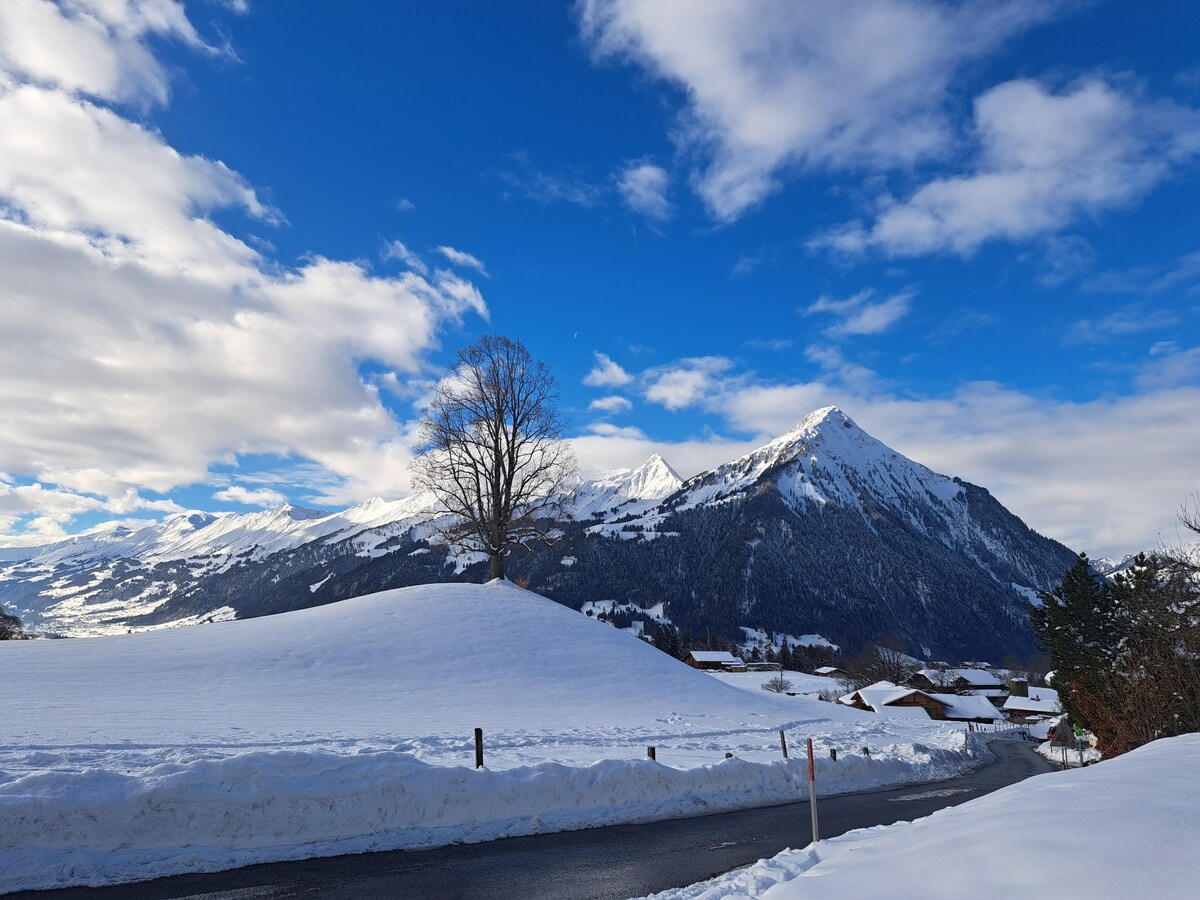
[812, 792]
[783, 743]
[479, 748]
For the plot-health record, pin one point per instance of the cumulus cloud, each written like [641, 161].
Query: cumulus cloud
[93, 47]
[611, 405]
[261, 497]
[1044, 161]
[686, 382]
[462, 259]
[773, 84]
[143, 342]
[606, 373]
[643, 187]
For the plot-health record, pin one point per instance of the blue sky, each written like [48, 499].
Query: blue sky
[240, 240]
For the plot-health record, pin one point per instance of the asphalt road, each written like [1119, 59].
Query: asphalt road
[615, 862]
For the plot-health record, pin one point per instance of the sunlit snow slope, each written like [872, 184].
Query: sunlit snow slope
[424, 665]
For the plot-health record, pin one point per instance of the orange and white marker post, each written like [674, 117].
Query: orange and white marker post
[812, 792]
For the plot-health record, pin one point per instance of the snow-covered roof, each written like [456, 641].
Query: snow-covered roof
[716, 656]
[826, 670]
[880, 697]
[968, 706]
[1040, 700]
[974, 677]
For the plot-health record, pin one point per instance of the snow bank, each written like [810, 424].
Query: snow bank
[348, 727]
[192, 815]
[1124, 828]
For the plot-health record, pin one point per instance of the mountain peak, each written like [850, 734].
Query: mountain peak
[827, 415]
[657, 464]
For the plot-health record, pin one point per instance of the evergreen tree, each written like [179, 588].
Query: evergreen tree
[1076, 626]
[1126, 654]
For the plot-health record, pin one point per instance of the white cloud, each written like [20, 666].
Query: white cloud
[606, 373]
[643, 187]
[460, 258]
[860, 316]
[686, 382]
[1127, 320]
[609, 430]
[1044, 161]
[1065, 258]
[773, 84]
[144, 343]
[547, 188]
[1169, 368]
[611, 405]
[92, 47]
[262, 497]
[399, 251]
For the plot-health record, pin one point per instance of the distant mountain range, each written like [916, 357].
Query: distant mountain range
[823, 531]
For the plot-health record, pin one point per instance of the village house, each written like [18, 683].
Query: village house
[977, 682]
[890, 699]
[715, 660]
[1041, 703]
[831, 672]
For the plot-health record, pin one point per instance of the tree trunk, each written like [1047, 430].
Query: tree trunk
[497, 566]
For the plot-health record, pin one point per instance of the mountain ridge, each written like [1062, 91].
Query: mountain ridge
[822, 530]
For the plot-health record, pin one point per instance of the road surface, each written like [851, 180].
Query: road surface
[612, 863]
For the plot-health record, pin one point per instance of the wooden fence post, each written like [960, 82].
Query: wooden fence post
[651, 753]
[812, 792]
[833, 753]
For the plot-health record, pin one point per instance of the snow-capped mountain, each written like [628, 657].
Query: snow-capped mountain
[626, 491]
[822, 531]
[825, 458]
[85, 585]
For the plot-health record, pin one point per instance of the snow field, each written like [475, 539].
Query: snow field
[348, 727]
[1124, 828]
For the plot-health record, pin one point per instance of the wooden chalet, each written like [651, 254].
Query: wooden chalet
[978, 682]
[715, 660]
[1041, 703]
[831, 672]
[890, 699]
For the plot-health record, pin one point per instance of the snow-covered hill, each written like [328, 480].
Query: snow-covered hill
[409, 664]
[348, 727]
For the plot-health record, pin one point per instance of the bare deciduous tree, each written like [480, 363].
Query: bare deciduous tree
[884, 660]
[492, 452]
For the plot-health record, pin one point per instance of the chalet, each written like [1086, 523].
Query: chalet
[831, 672]
[715, 660]
[1040, 703]
[891, 699]
[977, 682]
